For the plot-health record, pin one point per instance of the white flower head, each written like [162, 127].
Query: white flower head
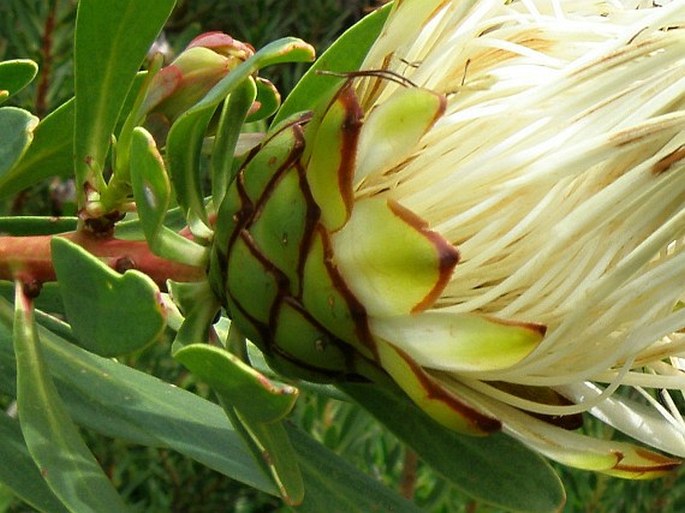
[549, 150]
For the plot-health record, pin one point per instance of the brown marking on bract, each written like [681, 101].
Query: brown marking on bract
[668, 161]
[356, 308]
[448, 255]
[541, 329]
[543, 395]
[480, 421]
[289, 162]
[351, 127]
[312, 216]
[662, 463]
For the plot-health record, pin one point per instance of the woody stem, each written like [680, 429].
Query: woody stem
[29, 259]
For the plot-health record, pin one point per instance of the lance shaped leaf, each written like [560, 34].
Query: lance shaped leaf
[37, 225]
[119, 401]
[96, 299]
[344, 55]
[233, 115]
[495, 469]
[390, 260]
[273, 449]
[110, 45]
[19, 473]
[255, 406]
[50, 153]
[15, 75]
[152, 191]
[65, 462]
[17, 126]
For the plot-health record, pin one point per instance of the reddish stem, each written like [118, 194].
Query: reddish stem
[408, 480]
[46, 64]
[29, 259]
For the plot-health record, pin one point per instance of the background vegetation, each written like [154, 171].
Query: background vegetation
[159, 480]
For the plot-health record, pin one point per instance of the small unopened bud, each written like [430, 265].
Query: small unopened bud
[206, 60]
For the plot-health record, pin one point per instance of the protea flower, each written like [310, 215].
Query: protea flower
[492, 211]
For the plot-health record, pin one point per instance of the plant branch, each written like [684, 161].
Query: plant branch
[29, 259]
[46, 64]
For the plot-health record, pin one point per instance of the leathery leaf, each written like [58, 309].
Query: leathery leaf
[52, 438]
[96, 299]
[152, 191]
[255, 405]
[237, 383]
[15, 75]
[495, 469]
[17, 126]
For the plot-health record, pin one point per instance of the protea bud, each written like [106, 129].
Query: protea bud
[491, 211]
[205, 61]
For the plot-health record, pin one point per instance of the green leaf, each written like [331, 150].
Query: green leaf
[53, 440]
[274, 452]
[49, 299]
[187, 133]
[16, 127]
[51, 152]
[237, 383]
[256, 406]
[152, 191]
[6, 495]
[15, 75]
[233, 116]
[199, 306]
[121, 402]
[495, 469]
[268, 98]
[36, 225]
[97, 300]
[333, 485]
[111, 42]
[19, 472]
[345, 54]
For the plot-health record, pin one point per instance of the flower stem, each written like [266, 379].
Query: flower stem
[29, 259]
